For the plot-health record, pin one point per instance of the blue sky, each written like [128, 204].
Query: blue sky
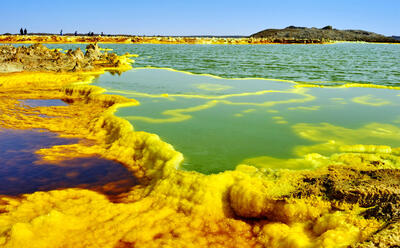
[201, 17]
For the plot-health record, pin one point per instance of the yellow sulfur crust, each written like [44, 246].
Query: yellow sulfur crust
[247, 207]
[151, 40]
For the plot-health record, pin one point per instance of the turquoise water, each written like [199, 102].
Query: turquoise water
[350, 62]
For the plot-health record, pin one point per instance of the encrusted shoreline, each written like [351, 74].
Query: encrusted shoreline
[129, 39]
[54, 39]
[352, 200]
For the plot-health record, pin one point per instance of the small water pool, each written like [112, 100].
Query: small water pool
[20, 173]
[43, 102]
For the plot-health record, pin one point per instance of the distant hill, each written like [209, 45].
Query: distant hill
[326, 33]
[396, 37]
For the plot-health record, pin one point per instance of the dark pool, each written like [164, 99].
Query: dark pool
[20, 174]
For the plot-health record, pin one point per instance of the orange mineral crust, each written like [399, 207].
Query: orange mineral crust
[341, 203]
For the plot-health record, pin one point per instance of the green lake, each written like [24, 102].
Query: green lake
[219, 123]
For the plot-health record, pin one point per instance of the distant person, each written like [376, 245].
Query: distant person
[21, 31]
[61, 32]
[25, 32]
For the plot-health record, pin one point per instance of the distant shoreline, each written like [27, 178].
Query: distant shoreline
[288, 35]
[130, 39]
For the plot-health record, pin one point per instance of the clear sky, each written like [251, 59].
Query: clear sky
[201, 17]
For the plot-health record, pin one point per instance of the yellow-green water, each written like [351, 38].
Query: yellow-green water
[219, 123]
[216, 126]
[340, 62]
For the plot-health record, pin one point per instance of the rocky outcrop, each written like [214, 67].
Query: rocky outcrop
[377, 190]
[327, 33]
[40, 58]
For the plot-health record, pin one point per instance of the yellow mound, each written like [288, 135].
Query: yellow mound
[247, 207]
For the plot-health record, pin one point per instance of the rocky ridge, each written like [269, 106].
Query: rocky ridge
[327, 33]
[40, 58]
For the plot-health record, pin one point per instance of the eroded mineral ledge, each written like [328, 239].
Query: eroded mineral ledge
[40, 58]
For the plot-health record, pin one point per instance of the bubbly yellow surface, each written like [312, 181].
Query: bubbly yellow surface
[247, 207]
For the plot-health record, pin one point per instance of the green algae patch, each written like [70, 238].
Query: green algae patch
[371, 101]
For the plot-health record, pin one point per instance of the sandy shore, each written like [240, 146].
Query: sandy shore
[351, 199]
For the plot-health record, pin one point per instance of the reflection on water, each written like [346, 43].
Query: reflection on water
[218, 123]
[43, 103]
[20, 174]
